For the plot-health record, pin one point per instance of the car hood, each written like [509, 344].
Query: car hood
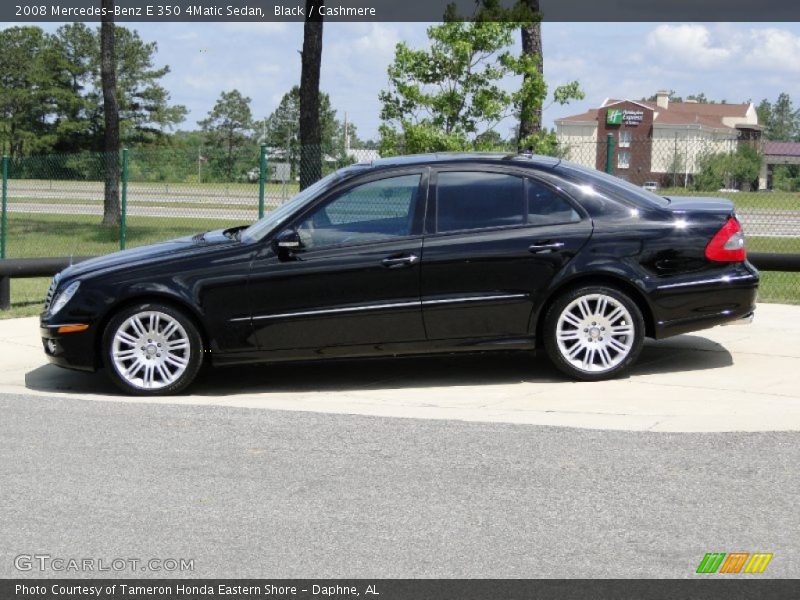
[143, 254]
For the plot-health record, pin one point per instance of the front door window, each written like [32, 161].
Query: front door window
[376, 211]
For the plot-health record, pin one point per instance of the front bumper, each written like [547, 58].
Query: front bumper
[76, 350]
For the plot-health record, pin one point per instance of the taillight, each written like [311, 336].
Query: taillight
[727, 245]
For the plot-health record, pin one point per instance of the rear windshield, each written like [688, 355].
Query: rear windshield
[613, 186]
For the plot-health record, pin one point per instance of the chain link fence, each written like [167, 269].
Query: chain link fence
[54, 205]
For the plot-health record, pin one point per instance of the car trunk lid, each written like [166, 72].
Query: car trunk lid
[692, 204]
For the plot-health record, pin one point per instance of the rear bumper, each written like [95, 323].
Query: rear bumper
[697, 303]
[745, 320]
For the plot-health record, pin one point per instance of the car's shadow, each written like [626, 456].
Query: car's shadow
[683, 353]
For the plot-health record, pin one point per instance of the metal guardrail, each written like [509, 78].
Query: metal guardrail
[16, 268]
[766, 261]
[47, 267]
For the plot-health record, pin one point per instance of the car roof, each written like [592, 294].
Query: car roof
[531, 160]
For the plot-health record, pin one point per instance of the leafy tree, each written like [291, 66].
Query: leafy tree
[673, 97]
[736, 169]
[51, 90]
[786, 178]
[526, 13]
[310, 132]
[144, 103]
[228, 128]
[491, 140]
[108, 76]
[699, 98]
[764, 112]
[530, 120]
[443, 98]
[784, 121]
[283, 126]
[74, 56]
[28, 91]
[677, 167]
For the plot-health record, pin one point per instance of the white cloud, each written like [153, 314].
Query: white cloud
[187, 36]
[772, 49]
[698, 47]
[691, 45]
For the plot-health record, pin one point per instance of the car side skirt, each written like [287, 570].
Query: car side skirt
[376, 350]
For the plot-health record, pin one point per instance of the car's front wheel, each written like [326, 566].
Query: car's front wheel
[151, 349]
[593, 332]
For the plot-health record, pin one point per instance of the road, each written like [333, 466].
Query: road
[247, 492]
[92, 192]
[167, 201]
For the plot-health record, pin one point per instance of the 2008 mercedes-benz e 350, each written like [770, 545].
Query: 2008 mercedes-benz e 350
[413, 255]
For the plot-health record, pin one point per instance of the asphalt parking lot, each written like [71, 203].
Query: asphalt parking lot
[481, 466]
[264, 493]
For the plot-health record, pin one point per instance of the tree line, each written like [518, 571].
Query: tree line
[84, 89]
[51, 96]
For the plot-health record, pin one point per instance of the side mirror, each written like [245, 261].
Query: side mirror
[287, 240]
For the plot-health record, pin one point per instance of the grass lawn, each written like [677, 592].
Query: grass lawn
[778, 245]
[33, 235]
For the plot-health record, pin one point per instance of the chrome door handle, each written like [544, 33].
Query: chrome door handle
[545, 247]
[400, 261]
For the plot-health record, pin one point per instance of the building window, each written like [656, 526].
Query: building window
[624, 160]
[625, 139]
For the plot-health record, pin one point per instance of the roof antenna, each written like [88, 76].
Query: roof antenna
[526, 152]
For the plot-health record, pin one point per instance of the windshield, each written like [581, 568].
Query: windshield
[273, 219]
[614, 185]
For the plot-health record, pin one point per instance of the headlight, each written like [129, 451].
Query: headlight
[64, 297]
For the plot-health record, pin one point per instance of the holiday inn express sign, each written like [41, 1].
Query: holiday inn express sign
[618, 116]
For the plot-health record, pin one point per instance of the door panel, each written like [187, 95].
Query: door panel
[354, 279]
[339, 296]
[486, 283]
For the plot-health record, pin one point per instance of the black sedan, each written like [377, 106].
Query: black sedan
[413, 255]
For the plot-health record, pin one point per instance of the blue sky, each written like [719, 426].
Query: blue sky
[735, 62]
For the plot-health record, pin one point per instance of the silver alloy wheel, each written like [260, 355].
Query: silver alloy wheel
[150, 350]
[595, 333]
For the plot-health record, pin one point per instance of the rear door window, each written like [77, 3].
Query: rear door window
[548, 207]
[468, 200]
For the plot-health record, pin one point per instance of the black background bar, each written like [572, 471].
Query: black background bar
[605, 11]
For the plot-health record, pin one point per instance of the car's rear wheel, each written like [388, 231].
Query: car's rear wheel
[152, 349]
[594, 332]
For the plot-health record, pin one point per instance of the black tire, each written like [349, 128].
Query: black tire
[161, 361]
[589, 338]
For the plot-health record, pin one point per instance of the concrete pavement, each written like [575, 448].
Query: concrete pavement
[723, 379]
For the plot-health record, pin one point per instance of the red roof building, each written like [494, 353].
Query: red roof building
[656, 141]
